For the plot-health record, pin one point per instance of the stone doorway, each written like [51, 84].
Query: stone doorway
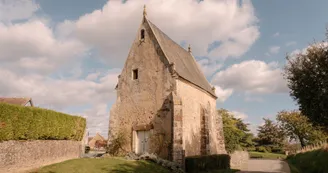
[142, 141]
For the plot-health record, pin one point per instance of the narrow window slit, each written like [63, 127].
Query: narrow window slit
[142, 34]
[135, 74]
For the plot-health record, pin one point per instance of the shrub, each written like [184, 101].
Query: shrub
[251, 149]
[261, 149]
[206, 163]
[277, 149]
[310, 162]
[31, 123]
[115, 147]
[87, 149]
[268, 148]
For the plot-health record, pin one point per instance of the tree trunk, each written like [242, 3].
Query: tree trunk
[302, 141]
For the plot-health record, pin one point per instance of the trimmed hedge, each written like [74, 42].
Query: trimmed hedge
[31, 123]
[207, 163]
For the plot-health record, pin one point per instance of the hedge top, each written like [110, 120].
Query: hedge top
[31, 123]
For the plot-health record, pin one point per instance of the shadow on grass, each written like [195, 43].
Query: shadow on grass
[139, 167]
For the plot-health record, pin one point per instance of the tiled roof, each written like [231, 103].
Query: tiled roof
[185, 64]
[15, 101]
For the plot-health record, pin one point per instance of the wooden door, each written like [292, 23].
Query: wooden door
[142, 142]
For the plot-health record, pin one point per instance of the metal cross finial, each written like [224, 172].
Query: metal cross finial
[144, 11]
[189, 48]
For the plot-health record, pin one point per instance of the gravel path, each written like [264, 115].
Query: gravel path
[266, 166]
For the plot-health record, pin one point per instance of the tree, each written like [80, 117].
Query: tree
[270, 134]
[307, 79]
[298, 127]
[235, 131]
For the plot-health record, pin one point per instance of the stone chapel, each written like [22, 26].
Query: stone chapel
[164, 104]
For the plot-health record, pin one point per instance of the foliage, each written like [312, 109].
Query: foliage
[307, 77]
[261, 149]
[115, 147]
[266, 155]
[309, 162]
[31, 123]
[197, 164]
[270, 134]
[86, 149]
[236, 133]
[298, 127]
[103, 165]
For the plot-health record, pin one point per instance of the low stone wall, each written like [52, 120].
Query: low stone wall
[239, 160]
[20, 156]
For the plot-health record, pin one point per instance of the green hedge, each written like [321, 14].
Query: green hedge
[207, 163]
[309, 162]
[31, 123]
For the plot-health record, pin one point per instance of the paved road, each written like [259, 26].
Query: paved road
[266, 166]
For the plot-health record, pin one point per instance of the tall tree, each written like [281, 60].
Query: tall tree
[236, 133]
[270, 134]
[307, 78]
[298, 127]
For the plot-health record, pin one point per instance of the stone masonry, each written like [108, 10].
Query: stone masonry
[163, 92]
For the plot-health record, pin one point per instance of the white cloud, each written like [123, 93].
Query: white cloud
[238, 114]
[252, 77]
[32, 49]
[291, 43]
[274, 49]
[113, 28]
[222, 94]
[39, 52]
[17, 9]
[208, 67]
[93, 76]
[58, 93]
[276, 34]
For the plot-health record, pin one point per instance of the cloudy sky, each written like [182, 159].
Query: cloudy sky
[67, 54]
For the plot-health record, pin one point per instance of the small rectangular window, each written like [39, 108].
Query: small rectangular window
[135, 74]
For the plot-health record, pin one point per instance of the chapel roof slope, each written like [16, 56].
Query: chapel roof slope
[185, 64]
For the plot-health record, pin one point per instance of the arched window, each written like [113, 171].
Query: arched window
[142, 33]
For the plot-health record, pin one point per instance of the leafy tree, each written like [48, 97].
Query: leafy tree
[235, 132]
[270, 134]
[298, 127]
[307, 78]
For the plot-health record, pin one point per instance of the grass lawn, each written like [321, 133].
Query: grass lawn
[261, 155]
[108, 165]
[102, 165]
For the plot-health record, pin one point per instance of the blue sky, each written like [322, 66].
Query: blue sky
[67, 54]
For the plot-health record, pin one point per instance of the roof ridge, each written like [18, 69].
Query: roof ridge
[196, 76]
[150, 26]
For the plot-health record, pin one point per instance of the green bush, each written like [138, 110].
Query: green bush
[261, 149]
[207, 163]
[268, 148]
[31, 123]
[277, 149]
[310, 162]
[86, 149]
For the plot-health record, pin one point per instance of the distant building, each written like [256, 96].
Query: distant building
[23, 101]
[97, 139]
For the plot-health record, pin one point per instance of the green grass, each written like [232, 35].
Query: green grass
[309, 162]
[108, 165]
[102, 165]
[261, 155]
